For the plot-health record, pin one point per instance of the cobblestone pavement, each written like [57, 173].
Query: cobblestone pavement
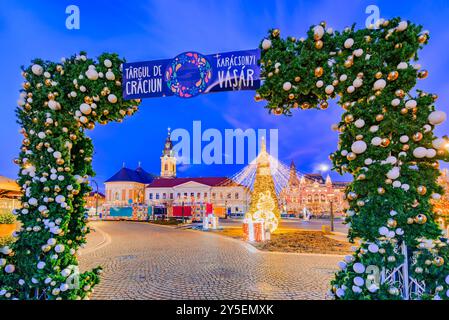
[143, 261]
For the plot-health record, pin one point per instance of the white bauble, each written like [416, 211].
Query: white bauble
[383, 231]
[350, 89]
[399, 231]
[343, 77]
[41, 265]
[376, 141]
[53, 105]
[319, 83]
[402, 26]
[402, 66]
[329, 89]
[436, 196]
[410, 104]
[358, 52]
[318, 32]
[266, 44]
[397, 184]
[32, 201]
[57, 154]
[393, 173]
[373, 248]
[60, 199]
[359, 281]
[379, 84]
[342, 265]
[438, 143]
[83, 119]
[395, 102]
[405, 187]
[393, 213]
[83, 89]
[437, 117]
[110, 75]
[358, 147]
[64, 287]
[10, 268]
[420, 152]
[51, 241]
[374, 129]
[404, 139]
[85, 108]
[107, 63]
[37, 69]
[92, 74]
[368, 161]
[112, 98]
[349, 259]
[2, 262]
[340, 292]
[344, 153]
[357, 83]
[359, 123]
[431, 153]
[349, 43]
[358, 267]
[391, 160]
[287, 86]
[41, 135]
[59, 248]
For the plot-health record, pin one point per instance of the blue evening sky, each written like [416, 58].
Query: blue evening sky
[146, 30]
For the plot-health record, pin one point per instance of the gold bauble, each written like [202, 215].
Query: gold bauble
[438, 261]
[67, 169]
[319, 44]
[398, 46]
[361, 177]
[47, 82]
[319, 72]
[422, 190]
[420, 219]
[351, 156]
[434, 97]
[59, 68]
[305, 106]
[410, 220]
[297, 79]
[379, 117]
[392, 223]
[351, 195]
[88, 100]
[392, 76]
[60, 161]
[349, 118]
[105, 112]
[257, 98]
[400, 93]
[277, 111]
[90, 126]
[378, 75]
[404, 111]
[26, 142]
[435, 165]
[324, 105]
[26, 85]
[16, 161]
[441, 152]
[385, 142]
[422, 38]
[368, 39]
[295, 105]
[291, 96]
[276, 33]
[417, 136]
[388, 181]
[51, 96]
[359, 137]
[405, 147]
[423, 74]
[380, 190]
[73, 136]
[348, 63]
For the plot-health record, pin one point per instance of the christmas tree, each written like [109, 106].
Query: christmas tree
[264, 202]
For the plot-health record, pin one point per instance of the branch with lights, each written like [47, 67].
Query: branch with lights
[58, 103]
[386, 142]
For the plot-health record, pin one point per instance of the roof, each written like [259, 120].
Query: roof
[128, 175]
[315, 177]
[172, 182]
[8, 184]
[92, 194]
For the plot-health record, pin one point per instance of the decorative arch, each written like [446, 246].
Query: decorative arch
[386, 143]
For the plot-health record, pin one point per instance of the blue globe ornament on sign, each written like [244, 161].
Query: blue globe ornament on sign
[188, 74]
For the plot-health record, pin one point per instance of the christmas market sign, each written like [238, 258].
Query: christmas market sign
[386, 142]
[191, 73]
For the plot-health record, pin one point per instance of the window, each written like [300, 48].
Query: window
[198, 195]
[157, 195]
[192, 194]
[171, 195]
[151, 196]
[166, 167]
[236, 196]
[213, 195]
[228, 196]
[236, 209]
[205, 195]
[221, 195]
[164, 196]
[185, 194]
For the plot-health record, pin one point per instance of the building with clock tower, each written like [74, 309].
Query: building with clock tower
[168, 160]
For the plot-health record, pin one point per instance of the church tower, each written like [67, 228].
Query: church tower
[293, 180]
[168, 160]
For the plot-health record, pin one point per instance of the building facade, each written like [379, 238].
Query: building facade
[314, 193]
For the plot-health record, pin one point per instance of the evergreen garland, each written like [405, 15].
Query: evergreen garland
[59, 101]
[386, 142]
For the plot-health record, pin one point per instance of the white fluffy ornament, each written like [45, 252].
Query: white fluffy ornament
[402, 26]
[110, 75]
[357, 83]
[358, 147]
[91, 73]
[395, 102]
[358, 267]
[393, 173]
[379, 84]
[85, 108]
[410, 104]
[60, 199]
[402, 66]
[373, 248]
[349, 43]
[343, 77]
[420, 152]
[54, 105]
[359, 123]
[107, 63]
[329, 89]
[57, 154]
[112, 98]
[376, 141]
[287, 86]
[404, 139]
[319, 83]
[437, 117]
[318, 32]
[266, 44]
[37, 69]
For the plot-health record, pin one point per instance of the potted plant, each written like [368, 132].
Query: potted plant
[7, 223]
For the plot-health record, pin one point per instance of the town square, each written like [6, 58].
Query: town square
[262, 151]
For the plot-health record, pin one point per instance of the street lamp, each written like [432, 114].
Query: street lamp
[96, 197]
[182, 209]
[331, 202]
